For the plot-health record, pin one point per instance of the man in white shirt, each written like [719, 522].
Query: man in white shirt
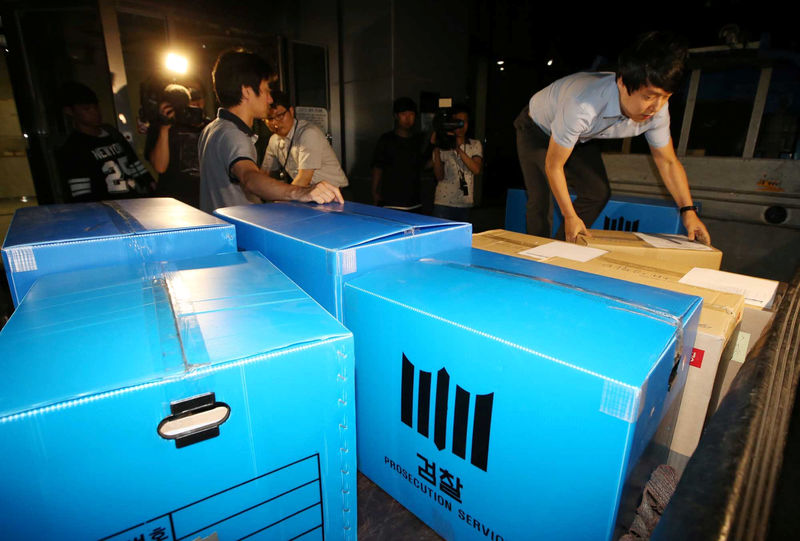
[555, 134]
[228, 173]
[298, 152]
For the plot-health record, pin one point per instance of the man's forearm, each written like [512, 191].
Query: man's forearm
[304, 177]
[558, 185]
[438, 169]
[677, 183]
[159, 155]
[269, 189]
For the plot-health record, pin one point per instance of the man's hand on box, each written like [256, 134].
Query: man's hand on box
[695, 228]
[574, 226]
[322, 192]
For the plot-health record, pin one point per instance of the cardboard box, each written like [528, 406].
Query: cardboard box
[719, 318]
[492, 404]
[57, 238]
[686, 253]
[201, 399]
[322, 246]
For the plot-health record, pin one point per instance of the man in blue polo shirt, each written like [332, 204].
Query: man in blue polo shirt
[556, 133]
[229, 175]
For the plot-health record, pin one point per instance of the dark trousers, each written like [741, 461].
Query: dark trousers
[585, 172]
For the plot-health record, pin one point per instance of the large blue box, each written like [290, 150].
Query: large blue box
[56, 238]
[113, 386]
[621, 213]
[497, 404]
[632, 213]
[320, 247]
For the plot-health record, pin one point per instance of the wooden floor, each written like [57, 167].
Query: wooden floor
[381, 518]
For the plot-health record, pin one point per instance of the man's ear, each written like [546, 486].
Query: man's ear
[621, 86]
[247, 93]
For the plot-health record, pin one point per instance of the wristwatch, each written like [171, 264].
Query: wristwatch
[690, 207]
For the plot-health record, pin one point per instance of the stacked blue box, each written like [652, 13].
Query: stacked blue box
[516, 200]
[202, 399]
[621, 213]
[322, 246]
[632, 213]
[57, 238]
[497, 404]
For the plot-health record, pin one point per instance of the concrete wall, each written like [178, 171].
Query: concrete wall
[394, 49]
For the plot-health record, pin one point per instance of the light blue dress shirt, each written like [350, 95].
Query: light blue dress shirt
[585, 106]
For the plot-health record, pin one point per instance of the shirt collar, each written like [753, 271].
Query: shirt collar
[612, 108]
[224, 114]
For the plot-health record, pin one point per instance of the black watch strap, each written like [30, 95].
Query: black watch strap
[690, 207]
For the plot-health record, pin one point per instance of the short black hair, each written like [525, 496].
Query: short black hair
[403, 104]
[176, 95]
[236, 68]
[656, 59]
[74, 93]
[280, 98]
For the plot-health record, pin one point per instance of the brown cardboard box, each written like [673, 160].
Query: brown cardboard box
[719, 318]
[626, 242]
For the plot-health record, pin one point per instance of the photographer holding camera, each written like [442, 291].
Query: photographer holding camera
[456, 161]
[171, 145]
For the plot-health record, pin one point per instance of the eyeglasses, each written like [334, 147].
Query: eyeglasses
[278, 116]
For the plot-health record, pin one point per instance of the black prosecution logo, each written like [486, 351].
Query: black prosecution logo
[481, 419]
[620, 224]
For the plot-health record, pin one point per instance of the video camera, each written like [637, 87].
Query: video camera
[444, 125]
[153, 93]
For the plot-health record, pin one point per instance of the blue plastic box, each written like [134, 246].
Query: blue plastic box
[320, 247]
[57, 238]
[204, 399]
[631, 213]
[495, 404]
[621, 213]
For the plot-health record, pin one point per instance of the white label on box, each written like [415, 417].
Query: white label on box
[566, 250]
[22, 259]
[756, 291]
[664, 240]
[348, 261]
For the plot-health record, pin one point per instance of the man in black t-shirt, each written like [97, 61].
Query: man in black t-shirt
[399, 158]
[171, 145]
[96, 162]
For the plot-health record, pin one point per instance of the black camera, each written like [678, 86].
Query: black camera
[462, 183]
[153, 93]
[444, 125]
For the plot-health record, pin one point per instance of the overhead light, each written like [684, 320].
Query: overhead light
[502, 68]
[550, 62]
[500, 62]
[177, 63]
[122, 118]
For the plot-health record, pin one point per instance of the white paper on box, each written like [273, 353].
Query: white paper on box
[566, 250]
[758, 292]
[663, 240]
